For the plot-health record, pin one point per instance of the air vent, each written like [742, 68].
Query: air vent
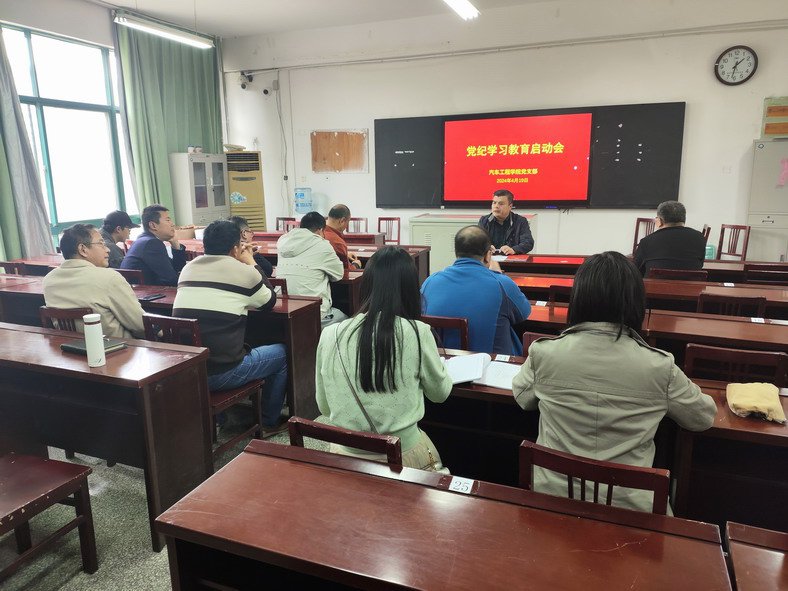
[243, 161]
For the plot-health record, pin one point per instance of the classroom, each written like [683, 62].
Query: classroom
[243, 400]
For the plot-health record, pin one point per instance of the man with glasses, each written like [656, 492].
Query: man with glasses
[84, 281]
[509, 232]
[116, 228]
[246, 238]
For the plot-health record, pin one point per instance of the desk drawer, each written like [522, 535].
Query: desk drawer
[767, 220]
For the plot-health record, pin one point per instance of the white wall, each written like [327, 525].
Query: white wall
[721, 122]
[70, 18]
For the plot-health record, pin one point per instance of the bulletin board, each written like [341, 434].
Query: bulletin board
[340, 151]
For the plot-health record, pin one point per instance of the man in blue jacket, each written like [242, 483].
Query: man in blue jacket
[509, 232]
[474, 288]
[148, 252]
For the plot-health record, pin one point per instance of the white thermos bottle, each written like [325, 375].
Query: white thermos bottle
[94, 340]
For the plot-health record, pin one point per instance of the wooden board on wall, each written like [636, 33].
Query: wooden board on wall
[339, 151]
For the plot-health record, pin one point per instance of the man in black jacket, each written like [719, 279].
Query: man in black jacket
[509, 232]
[671, 245]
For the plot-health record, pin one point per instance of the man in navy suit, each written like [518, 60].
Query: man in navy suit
[149, 254]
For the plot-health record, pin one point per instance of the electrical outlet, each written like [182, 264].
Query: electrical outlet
[285, 177]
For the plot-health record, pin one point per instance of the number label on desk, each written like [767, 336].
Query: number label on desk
[758, 320]
[461, 485]
[728, 284]
[540, 303]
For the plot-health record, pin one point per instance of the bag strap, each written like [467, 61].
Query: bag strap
[350, 385]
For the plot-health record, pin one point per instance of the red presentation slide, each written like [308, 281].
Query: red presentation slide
[542, 158]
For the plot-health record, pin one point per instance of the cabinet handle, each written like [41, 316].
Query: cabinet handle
[767, 221]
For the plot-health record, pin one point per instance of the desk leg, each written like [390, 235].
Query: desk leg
[683, 471]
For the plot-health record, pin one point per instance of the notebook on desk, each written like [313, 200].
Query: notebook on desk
[479, 368]
[78, 346]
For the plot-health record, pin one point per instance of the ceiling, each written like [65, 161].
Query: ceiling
[238, 18]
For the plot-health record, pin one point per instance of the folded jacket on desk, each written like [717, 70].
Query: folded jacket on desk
[759, 399]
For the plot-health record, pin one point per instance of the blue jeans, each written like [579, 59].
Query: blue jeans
[268, 362]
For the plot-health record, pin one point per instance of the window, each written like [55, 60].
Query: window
[68, 90]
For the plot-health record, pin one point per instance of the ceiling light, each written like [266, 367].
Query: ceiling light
[162, 30]
[464, 8]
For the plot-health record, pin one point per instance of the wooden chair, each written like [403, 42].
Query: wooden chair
[643, 227]
[62, 318]
[371, 442]
[683, 274]
[34, 269]
[186, 331]
[279, 282]
[12, 268]
[530, 337]
[765, 274]
[736, 365]
[288, 225]
[390, 228]
[558, 292]
[596, 472]
[30, 486]
[280, 223]
[731, 245]
[444, 323]
[731, 305]
[355, 225]
[706, 232]
[134, 276]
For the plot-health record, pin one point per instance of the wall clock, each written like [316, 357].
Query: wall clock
[736, 65]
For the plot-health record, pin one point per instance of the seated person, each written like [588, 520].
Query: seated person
[388, 359]
[216, 289]
[509, 232]
[246, 237]
[600, 389]
[474, 288]
[116, 229]
[672, 245]
[148, 252]
[336, 224]
[307, 261]
[84, 281]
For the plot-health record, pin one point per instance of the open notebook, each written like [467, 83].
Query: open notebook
[479, 368]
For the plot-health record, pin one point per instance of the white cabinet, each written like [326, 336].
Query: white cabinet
[199, 188]
[768, 210]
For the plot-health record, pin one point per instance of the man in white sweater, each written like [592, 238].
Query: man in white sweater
[308, 262]
[84, 281]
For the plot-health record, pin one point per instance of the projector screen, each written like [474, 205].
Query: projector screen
[539, 158]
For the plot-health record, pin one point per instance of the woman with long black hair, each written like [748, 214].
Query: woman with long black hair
[374, 370]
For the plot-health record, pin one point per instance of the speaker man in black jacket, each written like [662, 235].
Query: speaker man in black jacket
[509, 232]
[671, 245]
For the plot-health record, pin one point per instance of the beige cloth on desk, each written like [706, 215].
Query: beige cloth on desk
[756, 398]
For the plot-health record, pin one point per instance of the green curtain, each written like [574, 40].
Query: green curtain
[171, 94]
[10, 245]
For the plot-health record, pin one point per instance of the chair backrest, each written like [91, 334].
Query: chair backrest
[733, 247]
[643, 227]
[288, 225]
[280, 223]
[530, 337]
[279, 282]
[133, 276]
[736, 365]
[371, 442]
[390, 229]
[63, 318]
[731, 305]
[167, 329]
[444, 323]
[12, 268]
[595, 472]
[556, 293]
[357, 225]
[685, 274]
[706, 232]
[766, 274]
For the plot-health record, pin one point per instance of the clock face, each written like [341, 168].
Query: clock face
[736, 65]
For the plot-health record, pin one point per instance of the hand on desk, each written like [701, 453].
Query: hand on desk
[506, 249]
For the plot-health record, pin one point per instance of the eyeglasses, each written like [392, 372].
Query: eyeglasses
[247, 231]
[95, 243]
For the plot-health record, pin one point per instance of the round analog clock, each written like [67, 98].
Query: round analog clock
[736, 65]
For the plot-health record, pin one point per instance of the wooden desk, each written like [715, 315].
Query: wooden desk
[758, 557]
[294, 321]
[376, 238]
[147, 407]
[42, 264]
[326, 521]
[733, 271]
[346, 293]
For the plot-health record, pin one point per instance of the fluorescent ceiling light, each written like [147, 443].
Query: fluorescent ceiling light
[464, 8]
[161, 30]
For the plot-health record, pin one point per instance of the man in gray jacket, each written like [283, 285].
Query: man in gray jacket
[308, 262]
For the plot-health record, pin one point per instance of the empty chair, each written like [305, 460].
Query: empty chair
[388, 445]
[594, 472]
[706, 232]
[643, 227]
[279, 282]
[280, 223]
[731, 305]
[735, 244]
[440, 324]
[736, 365]
[683, 274]
[766, 274]
[62, 318]
[357, 225]
[12, 268]
[390, 229]
[530, 337]
[186, 331]
[288, 225]
[135, 276]
[32, 485]
[557, 293]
